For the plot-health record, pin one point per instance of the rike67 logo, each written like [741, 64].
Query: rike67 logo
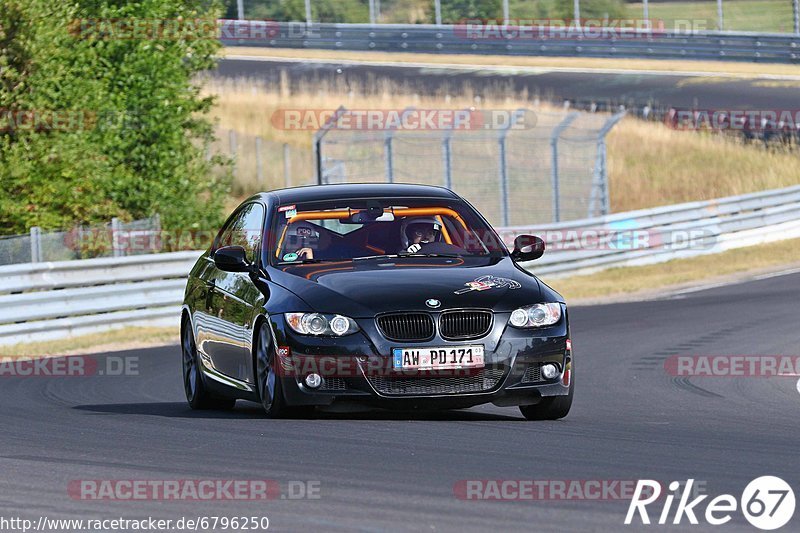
[767, 503]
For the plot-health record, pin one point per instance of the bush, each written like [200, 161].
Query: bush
[96, 126]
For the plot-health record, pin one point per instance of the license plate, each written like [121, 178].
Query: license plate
[438, 358]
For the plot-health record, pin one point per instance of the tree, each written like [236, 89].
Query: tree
[99, 122]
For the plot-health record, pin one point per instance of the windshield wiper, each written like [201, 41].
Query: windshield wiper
[383, 256]
[306, 261]
[420, 254]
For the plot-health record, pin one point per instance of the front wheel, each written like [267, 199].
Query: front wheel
[196, 393]
[270, 390]
[552, 407]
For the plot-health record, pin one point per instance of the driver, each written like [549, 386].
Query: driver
[303, 239]
[419, 231]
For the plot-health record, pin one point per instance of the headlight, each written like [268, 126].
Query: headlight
[536, 316]
[319, 324]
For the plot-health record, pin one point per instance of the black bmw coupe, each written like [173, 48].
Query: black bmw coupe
[395, 296]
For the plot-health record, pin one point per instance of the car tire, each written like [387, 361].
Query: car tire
[270, 388]
[193, 385]
[551, 407]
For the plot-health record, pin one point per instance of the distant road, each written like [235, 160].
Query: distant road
[605, 86]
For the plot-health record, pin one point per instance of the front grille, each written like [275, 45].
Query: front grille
[333, 384]
[482, 380]
[465, 324]
[532, 374]
[406, 326]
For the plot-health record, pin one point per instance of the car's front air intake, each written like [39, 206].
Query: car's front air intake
[465, 324]
[406, 326]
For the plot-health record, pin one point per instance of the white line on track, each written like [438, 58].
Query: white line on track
[513, 70]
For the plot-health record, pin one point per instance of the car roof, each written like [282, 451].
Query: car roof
[313, 193]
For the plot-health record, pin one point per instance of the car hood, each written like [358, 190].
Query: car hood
[366, 288]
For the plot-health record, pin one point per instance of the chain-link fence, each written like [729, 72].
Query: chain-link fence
[114, 239]
[781, 16]
[534, 168]
[263, 165]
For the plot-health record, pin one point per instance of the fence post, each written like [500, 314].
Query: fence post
[720, 25]
[506, 15]
[259, 164]
[115, 231]
[447, 160]
[554, 163]
[317, 143]
[36, 244]
[287, 166]
[437, 8]
[599, 193]
[503, 181]
[308, 12]
[371, 11]
[501, 142]
[576, 9]
[240, 9]
[387, 157]
[233, 147]
[796, 13]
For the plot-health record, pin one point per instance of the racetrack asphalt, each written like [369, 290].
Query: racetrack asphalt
[381, 471]
[632, 89]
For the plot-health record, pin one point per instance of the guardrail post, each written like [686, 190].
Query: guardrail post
[576, 8]
[308, 12]
[554, 163]
[720, 25]
[259, 164]
[506, 15]
[287, 166]
[437, 8]
[240, 9]
[36, 244]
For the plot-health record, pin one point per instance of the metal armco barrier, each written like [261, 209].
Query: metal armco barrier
[41, 301]
[458, 39]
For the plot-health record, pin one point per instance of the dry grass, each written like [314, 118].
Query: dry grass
[738, 69]
[651, 278]
[109, 341]
[649, 163]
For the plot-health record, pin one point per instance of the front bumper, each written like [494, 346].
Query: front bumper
[357, 368]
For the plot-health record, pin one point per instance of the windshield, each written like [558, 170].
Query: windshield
[341, 230]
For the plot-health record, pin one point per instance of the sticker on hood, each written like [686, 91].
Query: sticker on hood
[484, 283]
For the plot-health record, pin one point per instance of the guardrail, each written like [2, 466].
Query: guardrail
[515, 40]
[42, 301]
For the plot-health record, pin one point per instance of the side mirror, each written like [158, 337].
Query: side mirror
[527, 248]
[231, 259]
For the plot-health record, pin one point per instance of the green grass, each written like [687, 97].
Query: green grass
[743, 15]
